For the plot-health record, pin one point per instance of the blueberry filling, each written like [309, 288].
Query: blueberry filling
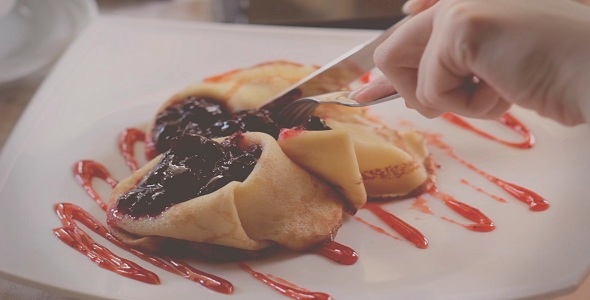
[194, 166]
[209, 118]
[194, 114]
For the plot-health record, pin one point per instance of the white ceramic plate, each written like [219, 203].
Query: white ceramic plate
[34, 33]
[119, 71]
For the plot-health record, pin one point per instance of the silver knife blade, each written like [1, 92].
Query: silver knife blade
[343, 70]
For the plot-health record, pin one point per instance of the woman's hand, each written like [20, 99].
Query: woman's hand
[478, 57]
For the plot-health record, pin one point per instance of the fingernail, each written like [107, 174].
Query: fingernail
[357, 91]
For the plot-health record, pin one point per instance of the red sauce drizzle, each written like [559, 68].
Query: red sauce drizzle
[532, 199]
[76, 238]
[507, 120]
[127, 142]
[482, 222]
[207, 280]
[377, 228]
[404, 229]
[85, 171]
[338, 253]
[287, 289]
[495, 197]
[71, 234]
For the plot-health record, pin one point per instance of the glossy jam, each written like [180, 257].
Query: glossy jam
[209, 118]
[194, 166]
[194, 114]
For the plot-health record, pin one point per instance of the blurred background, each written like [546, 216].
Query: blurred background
[366, 14]
[34, 33]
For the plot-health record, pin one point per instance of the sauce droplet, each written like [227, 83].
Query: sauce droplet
[338, 253]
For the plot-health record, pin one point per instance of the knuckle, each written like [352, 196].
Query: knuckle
[427, 97]
[468, 25]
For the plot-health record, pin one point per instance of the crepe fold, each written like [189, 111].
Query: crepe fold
[279, 202]
[393, 164]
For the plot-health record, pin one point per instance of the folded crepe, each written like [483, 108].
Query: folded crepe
[277, 202]
[297, 184]
[394, 164]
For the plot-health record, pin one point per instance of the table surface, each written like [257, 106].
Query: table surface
[15, 96]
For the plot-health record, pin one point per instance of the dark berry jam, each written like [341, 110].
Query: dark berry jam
[194, 166]
[193, 114]
[246, 121]
[209, 118]
[314, 123]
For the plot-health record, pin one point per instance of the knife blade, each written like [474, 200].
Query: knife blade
[343, 70]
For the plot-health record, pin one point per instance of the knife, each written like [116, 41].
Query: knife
[343, 70]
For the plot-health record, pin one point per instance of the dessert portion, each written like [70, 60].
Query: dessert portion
[225, 173]
[240, 191]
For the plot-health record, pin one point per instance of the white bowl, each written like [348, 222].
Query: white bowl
[34, 33]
